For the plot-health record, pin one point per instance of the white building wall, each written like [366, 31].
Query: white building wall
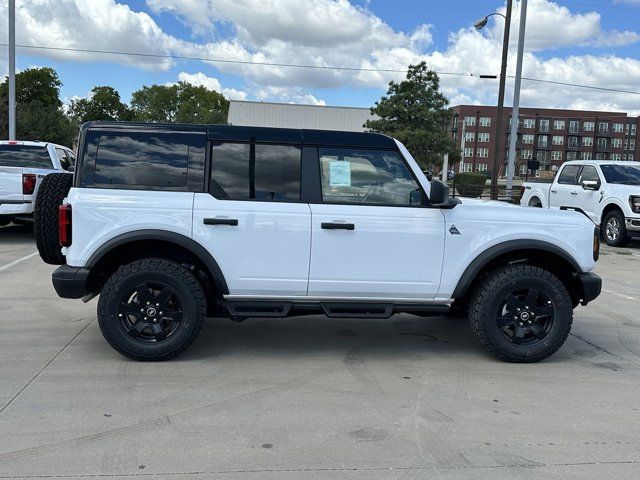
[286, 115]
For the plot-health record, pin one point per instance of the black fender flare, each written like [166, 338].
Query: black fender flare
[500, 249]
[149, 234]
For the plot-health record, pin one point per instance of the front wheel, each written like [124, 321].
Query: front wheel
[151, 309]
[521, 313]
[615, 232]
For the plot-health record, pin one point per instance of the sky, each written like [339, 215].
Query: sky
[588, 42]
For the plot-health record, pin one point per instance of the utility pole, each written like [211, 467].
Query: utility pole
[12, 69]
[497, 146]
[515, 116]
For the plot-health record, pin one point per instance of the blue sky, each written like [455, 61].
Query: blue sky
[591, 42]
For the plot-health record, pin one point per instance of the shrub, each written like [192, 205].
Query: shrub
[470, 184]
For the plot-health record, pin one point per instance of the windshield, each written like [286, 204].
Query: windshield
[24, 156]
[622, 174]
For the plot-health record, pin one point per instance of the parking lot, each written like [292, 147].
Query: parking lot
[313, 397]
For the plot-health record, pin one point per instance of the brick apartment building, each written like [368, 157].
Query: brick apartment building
[547, 135]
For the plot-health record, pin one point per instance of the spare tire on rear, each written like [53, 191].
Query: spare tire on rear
[53, 189]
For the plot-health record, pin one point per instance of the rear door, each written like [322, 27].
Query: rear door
[371, 238]
[564, 192]
[253, 221]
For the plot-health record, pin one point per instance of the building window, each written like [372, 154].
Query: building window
[527, 138]
[469, 121]
[485, 121]
[587, 141]
[618, 127]
[616, 142]
[467, 167]
[554, 168]
[523, 169]
[481, 167]
[482, 153]
[543, 125]
[572, 142]
[557, 140]
[574, 126]
[603, 127]
[602, 143]
[526, 154]
[469, 136]
[589, 126]
[632, 144]
[483, 137]
[558, 124]
[468, 152]
[556, 155]
[633, 130]
[529, 123]
[586, 155]
[630, 157]
[572, 156]
[543, 141]
[616, 157]
[601, 156]
[542, 156]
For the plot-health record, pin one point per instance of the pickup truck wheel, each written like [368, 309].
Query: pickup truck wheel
[615, 232]
[4, 221]
[521, 313]
[52, 191]
[151, 309]
[535, 202]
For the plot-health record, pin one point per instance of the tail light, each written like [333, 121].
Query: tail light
[64, 225]
[521, 191]
[28, 183]
[596, 244]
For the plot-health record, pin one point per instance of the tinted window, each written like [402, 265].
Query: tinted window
[621, 174]
[588, 173]
[242, 171]
[569, 174]
[62, 157]
[366, 177]
[154, 160]
[24, 156]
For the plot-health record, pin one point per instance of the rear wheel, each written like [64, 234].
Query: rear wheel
[52, 191]
[151, 309]
[535, 202]
[615, 232]
[521, 313]
[4, 221]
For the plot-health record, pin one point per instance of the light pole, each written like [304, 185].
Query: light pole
[12, 69]
[497, 145]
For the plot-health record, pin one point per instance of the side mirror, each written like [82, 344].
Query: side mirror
[590, 185]
[439, 195]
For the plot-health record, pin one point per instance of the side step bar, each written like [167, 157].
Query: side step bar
[279, 309]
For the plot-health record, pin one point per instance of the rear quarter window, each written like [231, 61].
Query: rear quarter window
[26, 156]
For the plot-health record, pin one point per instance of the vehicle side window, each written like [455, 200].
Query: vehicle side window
[569, 175]
[589, 173]
[62, 157]
[366, 177]
[158, 161]
[253, 171]
[71, 157]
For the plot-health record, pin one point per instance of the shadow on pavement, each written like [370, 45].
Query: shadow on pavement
[17, 233]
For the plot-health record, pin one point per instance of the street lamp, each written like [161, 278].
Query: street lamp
[497, 145]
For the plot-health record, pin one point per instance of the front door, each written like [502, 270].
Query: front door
[371, 238]
[588, 199]
[252, 220]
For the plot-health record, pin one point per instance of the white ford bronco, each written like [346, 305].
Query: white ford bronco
[170, 224]
[23, 165]
[607, 191]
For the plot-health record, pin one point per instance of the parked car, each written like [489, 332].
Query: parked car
[23, 165]
[171, 223]
[608, 192]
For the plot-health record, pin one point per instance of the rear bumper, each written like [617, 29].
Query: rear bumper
[591, 286]
[16, 207]
[70, 282]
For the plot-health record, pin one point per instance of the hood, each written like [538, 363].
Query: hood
[624, 190]
[487, 203]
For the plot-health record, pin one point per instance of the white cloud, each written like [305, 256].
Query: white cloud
[200, 79]
[288, 95]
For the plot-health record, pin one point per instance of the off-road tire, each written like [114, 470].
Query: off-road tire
[177, 277]
[488, 296]
[53, 189]
[623, 239]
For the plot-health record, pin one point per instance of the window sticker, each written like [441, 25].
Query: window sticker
[340, 174]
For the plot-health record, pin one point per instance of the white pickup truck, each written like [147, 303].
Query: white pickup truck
[607, 191]
[23, 165]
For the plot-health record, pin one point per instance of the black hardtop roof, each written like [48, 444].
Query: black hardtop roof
[232, 133]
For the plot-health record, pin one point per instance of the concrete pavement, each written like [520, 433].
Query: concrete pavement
[313, 397]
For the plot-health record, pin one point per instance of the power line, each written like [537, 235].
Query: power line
[306, 66]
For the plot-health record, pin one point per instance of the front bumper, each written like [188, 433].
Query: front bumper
[633, 226]
[591, 286]
[70, 282]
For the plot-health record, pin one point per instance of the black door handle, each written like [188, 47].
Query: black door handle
[338, 226]
[221, 221]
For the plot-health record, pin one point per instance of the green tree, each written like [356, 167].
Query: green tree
[39, 112]
[103, 104]
[181, 102]
[416, 113]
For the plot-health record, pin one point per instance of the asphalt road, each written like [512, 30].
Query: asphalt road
[312, 397]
